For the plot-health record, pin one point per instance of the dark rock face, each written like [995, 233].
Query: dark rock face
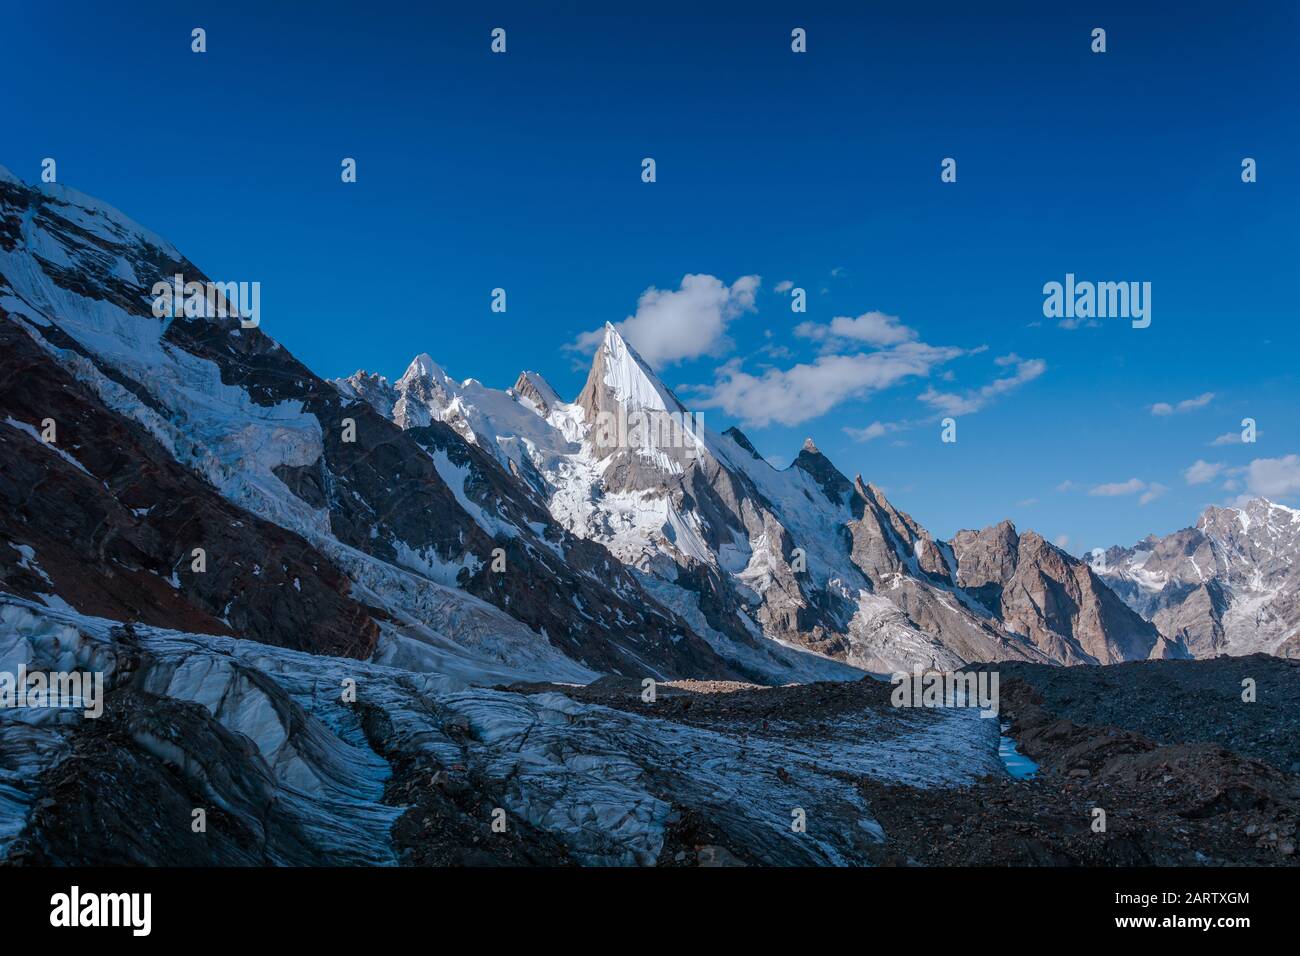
[819, 467]
[534, 388]
[908, 567]
[113, 527]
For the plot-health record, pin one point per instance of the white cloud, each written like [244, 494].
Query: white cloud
[672, 325]
[1066, 485]
[967, 403]
[785, 285]
[1062, 541]
[1118, 488]
[807, 390]
[1147, 492]
[1202, 472]
[873, 431]
[1274, 477]
[1233, 438]
[872, 328]
[1186, 405]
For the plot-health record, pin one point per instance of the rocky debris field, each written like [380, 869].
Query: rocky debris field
[1173, 702]
[814, 711]
[1185, 771]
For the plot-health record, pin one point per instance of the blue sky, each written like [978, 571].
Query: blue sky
[522, 171]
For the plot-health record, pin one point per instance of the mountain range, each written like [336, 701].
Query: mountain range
[669, 550]
[1228, 585]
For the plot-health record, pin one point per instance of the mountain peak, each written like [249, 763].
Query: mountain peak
[369, 387]
[817, 466]
[422, 368]
[621, 377]
[100, 220]
[1262, 505]
[537, 390]
[614, 339]
[362, 378]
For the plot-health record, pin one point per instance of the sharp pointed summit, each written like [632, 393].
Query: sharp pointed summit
[620, 378]
[422, 367]
[836, 487]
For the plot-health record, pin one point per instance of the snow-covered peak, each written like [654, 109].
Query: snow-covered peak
[94, 216]
[423, 369]
[627, 377]
[425, 394]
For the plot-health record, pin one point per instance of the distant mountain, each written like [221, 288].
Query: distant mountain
[758, 559]
[1039, 590]
[1229, 585]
